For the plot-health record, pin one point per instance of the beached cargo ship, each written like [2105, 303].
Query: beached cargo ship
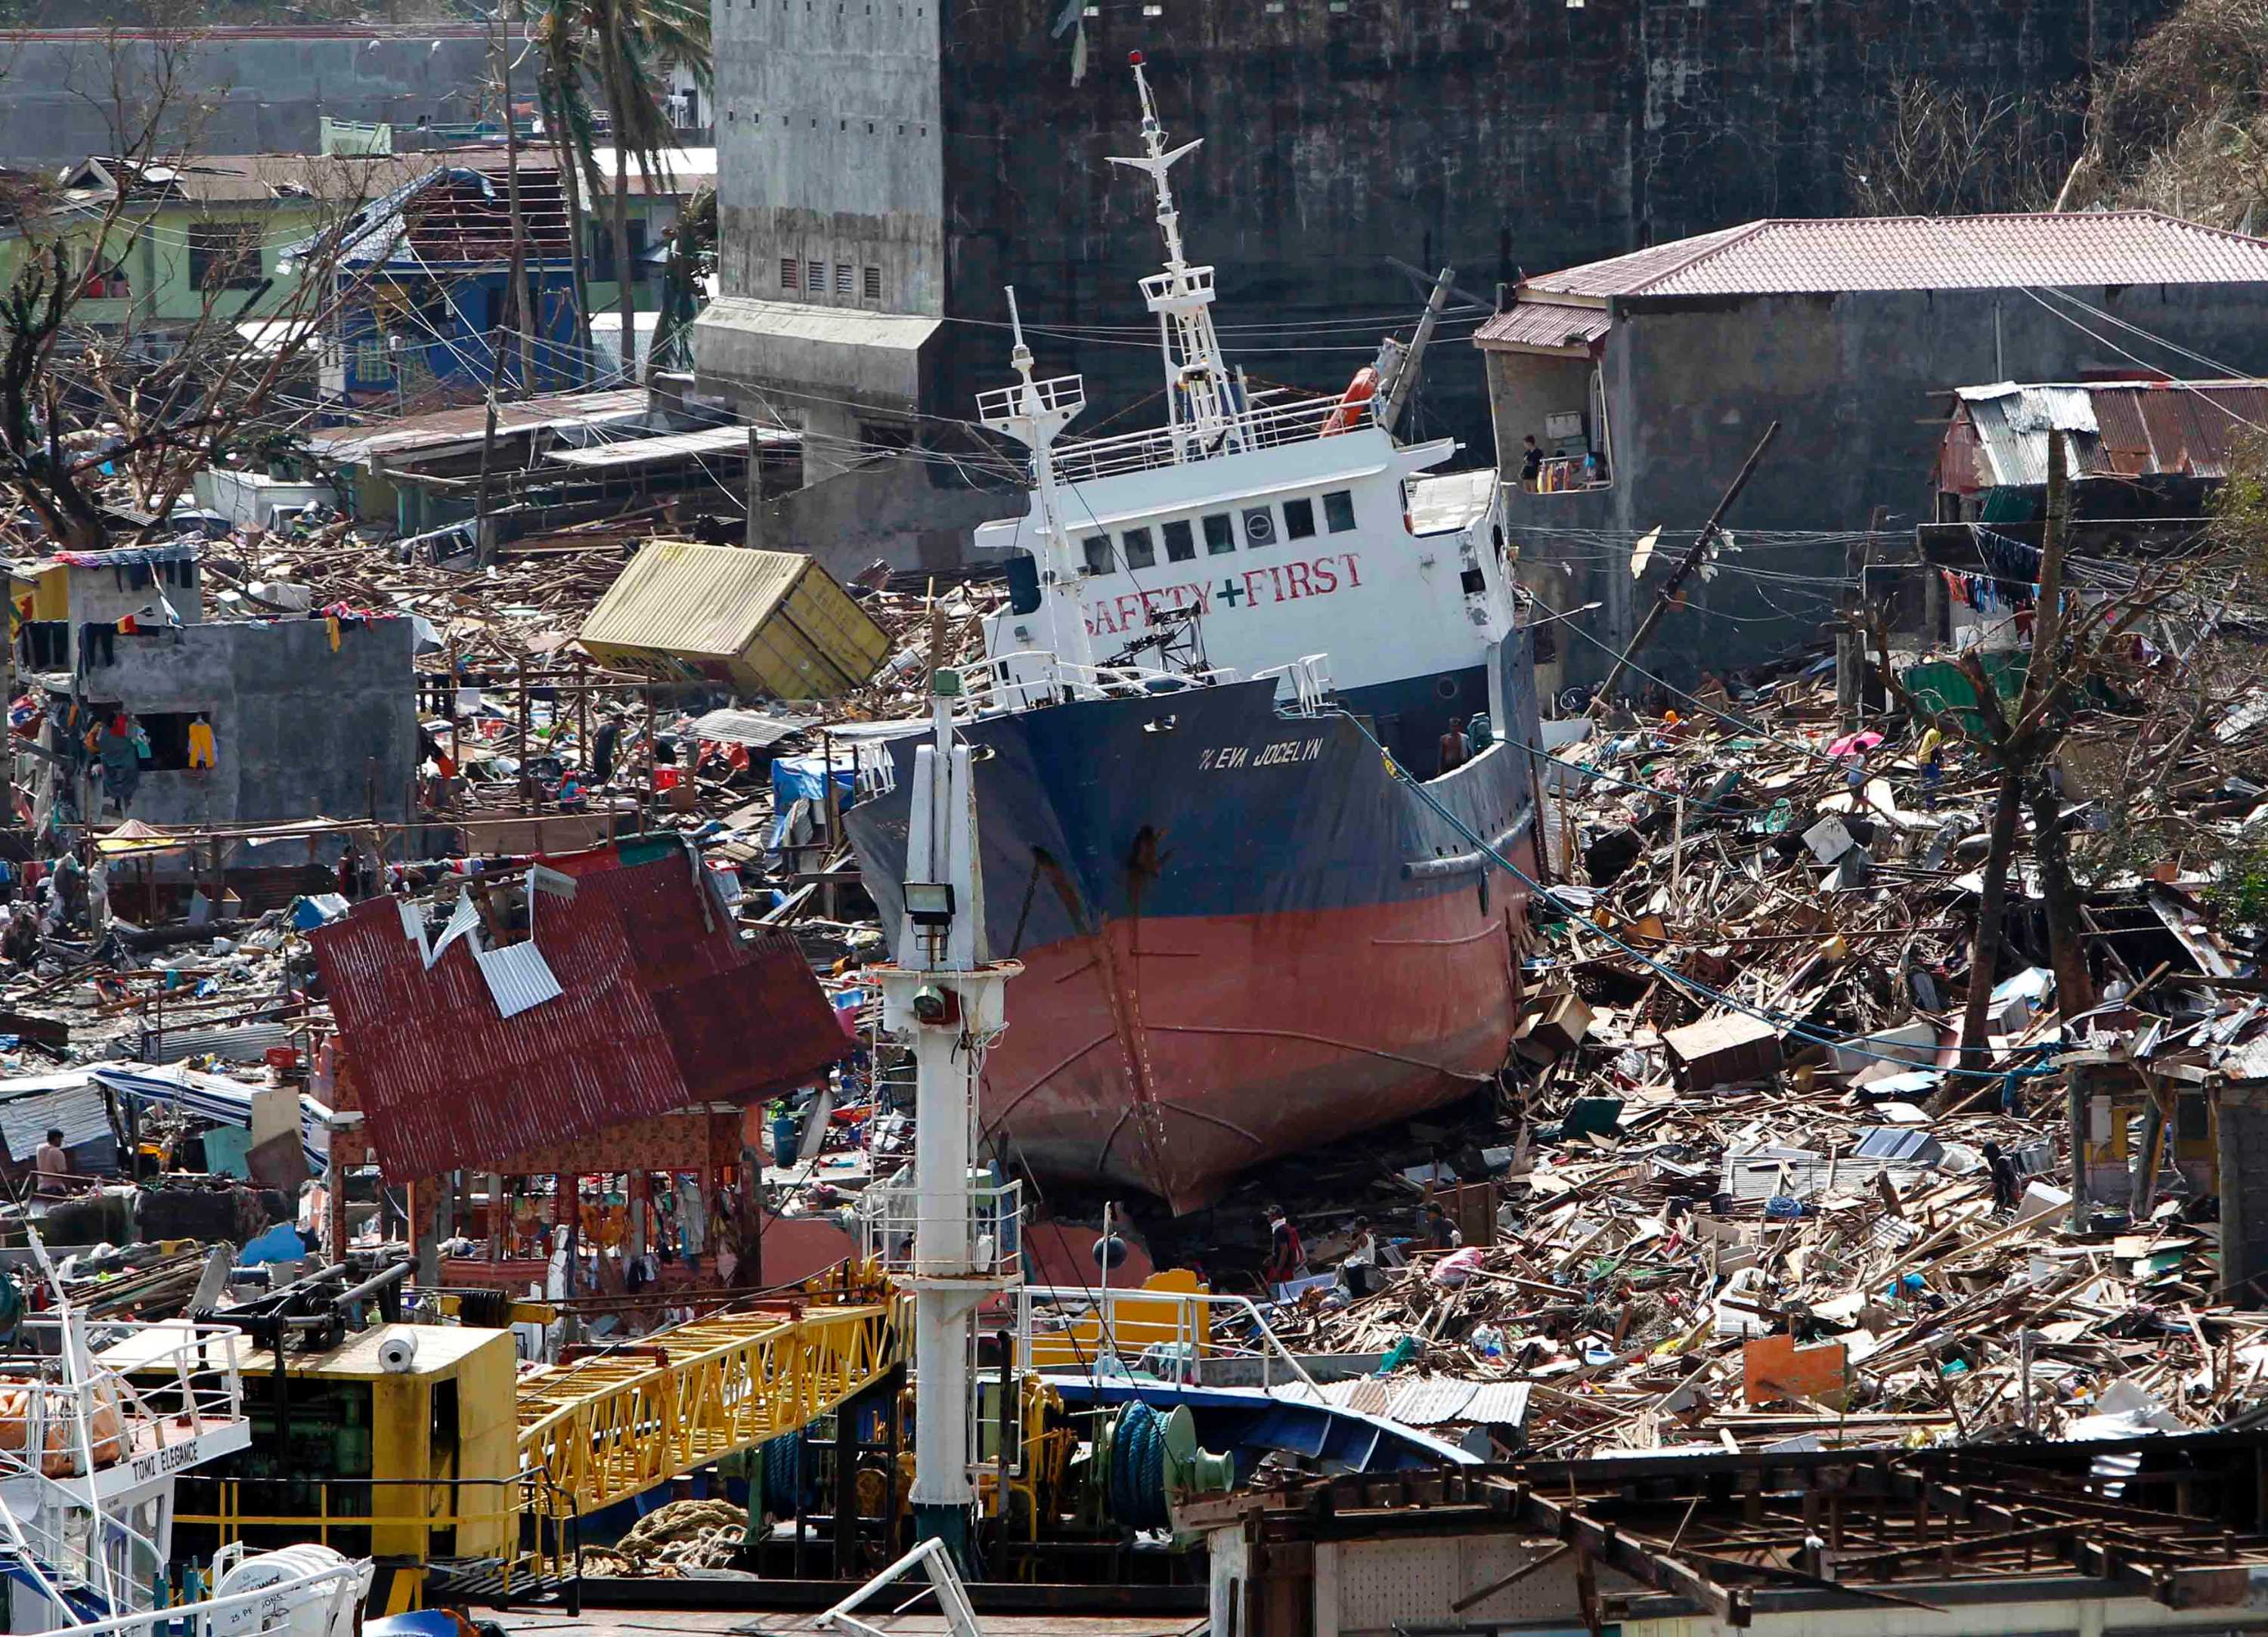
[1244, 935]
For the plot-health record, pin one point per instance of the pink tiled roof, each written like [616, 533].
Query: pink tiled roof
[1809, 257]
[1545, 324]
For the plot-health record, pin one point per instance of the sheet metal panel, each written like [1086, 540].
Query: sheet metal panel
[708, 440]
[31, 1109]
[659, 1006]
[687, 598]
[749, 727]
[1428, 1401]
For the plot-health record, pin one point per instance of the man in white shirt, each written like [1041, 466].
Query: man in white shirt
[52, 1166]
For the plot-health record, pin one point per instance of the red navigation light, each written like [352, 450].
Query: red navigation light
[1135, 58]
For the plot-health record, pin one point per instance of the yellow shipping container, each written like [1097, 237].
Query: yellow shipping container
[771, 623]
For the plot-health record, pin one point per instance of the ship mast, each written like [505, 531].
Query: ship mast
[1033, 412]
[1202, 401]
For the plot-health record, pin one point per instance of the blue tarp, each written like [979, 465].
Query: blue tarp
[804, 778]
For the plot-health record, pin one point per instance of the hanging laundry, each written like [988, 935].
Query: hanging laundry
[201, 750]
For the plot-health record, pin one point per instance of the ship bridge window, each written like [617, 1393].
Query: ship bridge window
[1135, 546]
[1097, 548]
[1259, 527]
[1299, 518]
[1338, 510]
[1180, 541]
[1220, 533]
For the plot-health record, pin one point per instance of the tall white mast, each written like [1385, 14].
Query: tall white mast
[1201, 397]
[943, 997]
[1033, 412]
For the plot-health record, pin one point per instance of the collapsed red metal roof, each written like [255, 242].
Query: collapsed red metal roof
[660, 1005]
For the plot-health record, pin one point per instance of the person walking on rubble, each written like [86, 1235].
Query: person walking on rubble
[1288, 1258]
[2003, 1177]
[1931, 754]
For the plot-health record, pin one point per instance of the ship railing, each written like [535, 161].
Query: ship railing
[1077, 1326]
[187, 1380]
[249, 1612]
[1161, 288]
[1086, 459]
[1027, 679]
[986, 1243]
[1310, 678]
[68, 1545]
[525, 1528]
[872, 772]
[998, 405]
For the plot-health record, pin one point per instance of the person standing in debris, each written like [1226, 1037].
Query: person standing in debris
[1288, 1258]
[52, 1163]
[70, 892]
[2005, 1181]
[1358, 1270]
[602, 749]
[1452, 745]
[21, 942]
[1531, 463]
[1931, 751]
[1441, 1233]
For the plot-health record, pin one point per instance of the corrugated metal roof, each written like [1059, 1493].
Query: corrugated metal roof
[238, 1043]
[442, 427]
[749, 727]
[796, 321]
[1801, 257]
[1431, 1400]
[660, 1006]
[1544, 323]
[32, 1106]
[2130, 429]
[698, 601]
[708, 440]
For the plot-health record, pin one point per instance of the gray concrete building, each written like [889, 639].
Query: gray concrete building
[1647, 380]
[300, 728]
[237, 89]
[887, 166]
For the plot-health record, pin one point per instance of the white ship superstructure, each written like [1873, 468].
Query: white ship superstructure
[1252, 530]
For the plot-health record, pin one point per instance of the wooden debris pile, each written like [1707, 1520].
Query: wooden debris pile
[1745, 1190]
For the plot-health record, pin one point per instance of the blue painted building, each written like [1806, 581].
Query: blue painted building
[423, 277]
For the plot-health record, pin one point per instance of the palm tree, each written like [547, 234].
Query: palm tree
[623, 48]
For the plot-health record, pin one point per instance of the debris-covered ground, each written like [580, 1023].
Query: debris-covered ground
[1740, 1187]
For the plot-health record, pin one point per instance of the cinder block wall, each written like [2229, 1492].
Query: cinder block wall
[301, 731]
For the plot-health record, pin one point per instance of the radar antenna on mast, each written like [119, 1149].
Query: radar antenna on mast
[1033, 412]
[1204, 401]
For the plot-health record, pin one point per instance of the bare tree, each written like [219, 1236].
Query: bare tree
[152, 397]
[2182, 125]
[1944, 151]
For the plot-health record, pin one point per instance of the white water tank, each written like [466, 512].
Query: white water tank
[324, 1608]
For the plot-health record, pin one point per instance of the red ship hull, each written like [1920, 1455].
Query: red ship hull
[1170, 1054]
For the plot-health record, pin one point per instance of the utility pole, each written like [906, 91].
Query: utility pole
[523, 308]
[516, 294]
[483, 530]
[1405, 373]
[1684, 570]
